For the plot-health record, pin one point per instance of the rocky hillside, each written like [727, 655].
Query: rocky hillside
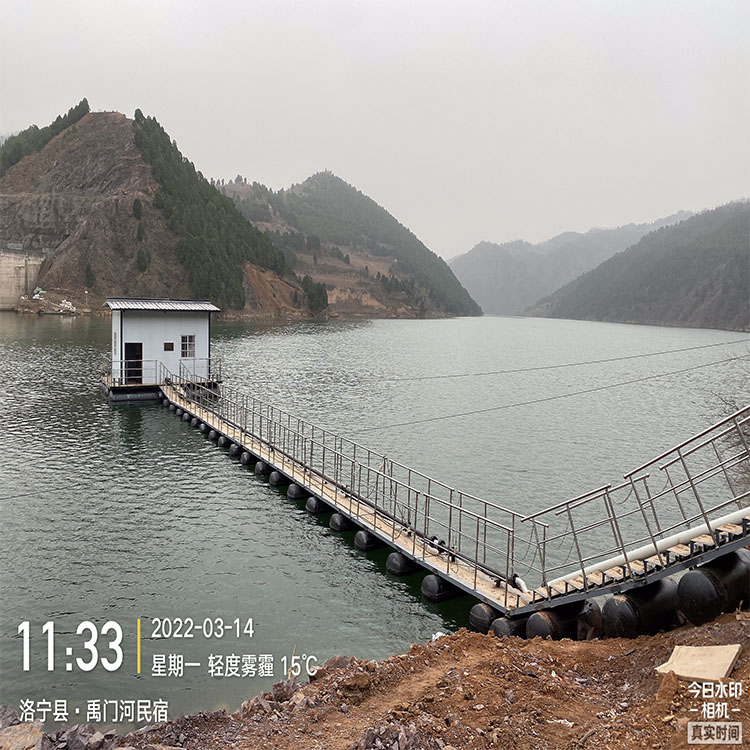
[696, 273]
[88, 202]
[506, 279]
[370, 263]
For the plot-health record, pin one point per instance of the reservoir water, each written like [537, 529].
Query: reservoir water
[123, 512]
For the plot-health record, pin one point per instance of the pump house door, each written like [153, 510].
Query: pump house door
[133, 363]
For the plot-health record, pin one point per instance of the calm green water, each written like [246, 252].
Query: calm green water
[124, 512]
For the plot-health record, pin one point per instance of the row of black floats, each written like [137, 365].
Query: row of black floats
[700, 595]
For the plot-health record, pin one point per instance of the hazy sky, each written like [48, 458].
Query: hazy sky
[466, 120]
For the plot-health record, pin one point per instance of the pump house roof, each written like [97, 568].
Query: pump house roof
[181, 305]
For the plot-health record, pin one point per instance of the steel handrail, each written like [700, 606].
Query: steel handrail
[370, 467]
[689, 440]
[464, 513]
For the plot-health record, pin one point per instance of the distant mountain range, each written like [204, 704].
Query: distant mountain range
[695, 273]
[505, 279]
[369, 261]
[97, 204]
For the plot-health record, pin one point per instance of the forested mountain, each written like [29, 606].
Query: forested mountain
[215, 239]
[34, 139]
[505, 279]
[109, 206]
[695, 273]
[356, 246]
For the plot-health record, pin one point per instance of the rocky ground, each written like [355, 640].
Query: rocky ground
[461, 692]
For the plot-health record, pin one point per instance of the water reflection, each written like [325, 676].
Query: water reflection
[129, 419]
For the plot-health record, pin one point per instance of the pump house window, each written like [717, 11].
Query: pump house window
[188, 346]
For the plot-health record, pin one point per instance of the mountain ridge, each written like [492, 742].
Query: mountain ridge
[109, 206]
[366, 257]
[695, 273]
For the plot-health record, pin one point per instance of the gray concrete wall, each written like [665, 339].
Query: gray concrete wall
[18, 275]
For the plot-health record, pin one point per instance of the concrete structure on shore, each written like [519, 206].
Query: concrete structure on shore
[18, 275]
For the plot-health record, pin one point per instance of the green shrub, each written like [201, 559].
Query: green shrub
[142, 259]
[316, 293]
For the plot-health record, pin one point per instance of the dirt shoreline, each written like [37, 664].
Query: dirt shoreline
[470, 691]
[31, 307]
[465, 691]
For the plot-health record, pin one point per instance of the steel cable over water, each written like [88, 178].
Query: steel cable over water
[556, 397]
[560, 366]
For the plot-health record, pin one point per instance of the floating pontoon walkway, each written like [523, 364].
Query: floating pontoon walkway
[685, 507]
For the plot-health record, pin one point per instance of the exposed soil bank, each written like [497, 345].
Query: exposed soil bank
[461, 692]
[468, 691]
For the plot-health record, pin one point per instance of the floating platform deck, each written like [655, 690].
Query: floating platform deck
[142, 380]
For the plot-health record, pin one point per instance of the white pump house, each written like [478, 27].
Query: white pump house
[154, 338]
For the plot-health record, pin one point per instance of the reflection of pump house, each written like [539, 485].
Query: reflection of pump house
[154, 340]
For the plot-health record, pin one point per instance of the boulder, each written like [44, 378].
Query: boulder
[26, 736]
[77, 737]
[284, 690]
[8, 716]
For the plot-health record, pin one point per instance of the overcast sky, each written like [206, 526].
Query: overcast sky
[466, 120]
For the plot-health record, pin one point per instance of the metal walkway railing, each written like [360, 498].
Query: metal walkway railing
[150, 372]
[692, 501]
[688, 504]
